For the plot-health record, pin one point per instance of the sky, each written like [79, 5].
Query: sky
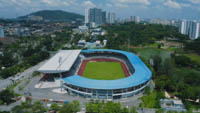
[164, 9]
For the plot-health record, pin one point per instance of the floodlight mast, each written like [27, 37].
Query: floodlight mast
[60, 61]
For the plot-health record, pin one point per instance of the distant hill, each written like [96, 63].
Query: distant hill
[52, 15]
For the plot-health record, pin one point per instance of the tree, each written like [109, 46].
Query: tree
[182, 60]
[4, 112]
[76, 106]
[55, 107]
[7, 59]
[172, 112]
[112, 107]
[37, 107]
[125, 110]
[133, 110]
[101, 107]
[159, 46]
[7, 96]
[168, 66]
[28, 107]
[159, 111]
[157, 62]
[67, 108]
[73, 107]
[147, 90]
[161, 82]
[8, 72]
[193, 45]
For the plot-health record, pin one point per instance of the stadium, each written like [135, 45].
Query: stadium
[98, 73]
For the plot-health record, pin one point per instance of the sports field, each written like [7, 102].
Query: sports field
[103, 70]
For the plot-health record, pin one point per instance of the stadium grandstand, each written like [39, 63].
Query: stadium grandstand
[98, 73]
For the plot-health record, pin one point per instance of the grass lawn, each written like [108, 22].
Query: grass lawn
[194, 57]
[178, 50]
[103, 70]
[154, 45]
[147, 53]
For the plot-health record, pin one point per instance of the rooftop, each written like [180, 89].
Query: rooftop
[177, 102]
[61, 62]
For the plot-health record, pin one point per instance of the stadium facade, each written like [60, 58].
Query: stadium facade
[75, 84]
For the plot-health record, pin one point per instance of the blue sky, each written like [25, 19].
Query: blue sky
[166, 9]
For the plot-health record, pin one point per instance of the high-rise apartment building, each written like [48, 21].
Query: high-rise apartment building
[136, 19]
[194, 30]
[86, 15]
[190, 28]
[97, 16]
[111, 18]
[104, 17]
[182, 27]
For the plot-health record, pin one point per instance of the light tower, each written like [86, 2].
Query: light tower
[60, 61]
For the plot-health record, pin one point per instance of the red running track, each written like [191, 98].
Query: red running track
[84, 62]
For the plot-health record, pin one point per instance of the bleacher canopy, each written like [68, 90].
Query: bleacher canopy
[61, 62]
[141, 75]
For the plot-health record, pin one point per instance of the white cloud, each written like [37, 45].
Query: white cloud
[88, 4]
[53, 3]
[172, 4]
[48, 2]
[15, 2]
[185, 5]
[109, 5]
[195, 1]
[121, 5]
[26, 1]
[145, 2]
[65, 3]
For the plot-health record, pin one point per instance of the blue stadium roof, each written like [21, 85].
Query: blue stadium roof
[141, 74]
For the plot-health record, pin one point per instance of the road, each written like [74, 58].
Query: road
[21, 76]
[4, 84]
[7, 82]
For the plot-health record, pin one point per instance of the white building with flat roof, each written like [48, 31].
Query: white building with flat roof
[60, 62]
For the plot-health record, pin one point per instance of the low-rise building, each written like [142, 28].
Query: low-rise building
[98, 44]
[172, 105]
[81, 43]
[84, 44]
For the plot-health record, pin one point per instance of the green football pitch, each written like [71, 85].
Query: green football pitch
[103, 70]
